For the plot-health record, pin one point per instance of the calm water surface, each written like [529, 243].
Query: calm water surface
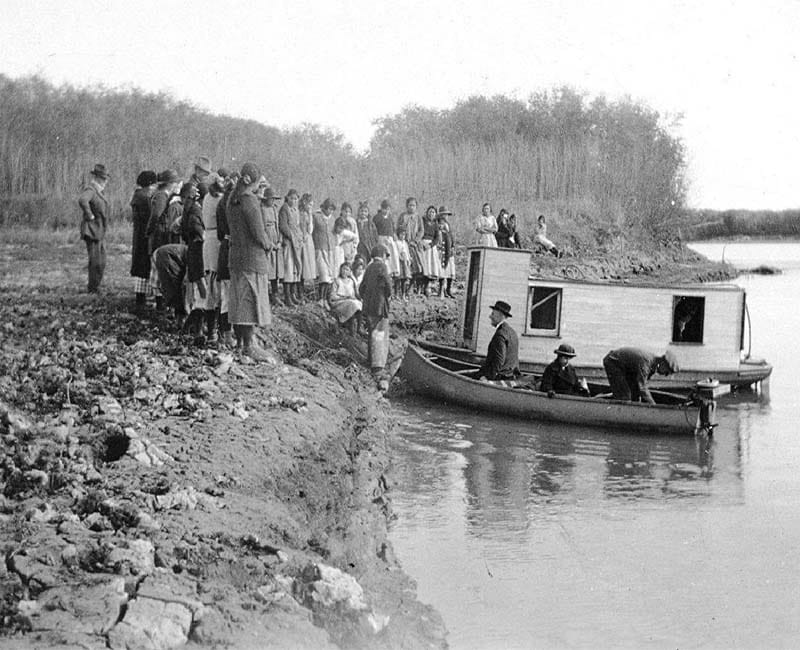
[534, 535]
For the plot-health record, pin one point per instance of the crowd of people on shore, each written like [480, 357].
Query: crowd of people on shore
[221, 247]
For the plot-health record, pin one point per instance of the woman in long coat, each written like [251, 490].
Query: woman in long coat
[367, 233]
[308, 272]
[140, 249]
[324, 247]
[289, 226]
[412, 222]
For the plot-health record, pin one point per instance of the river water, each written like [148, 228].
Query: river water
[536, 535]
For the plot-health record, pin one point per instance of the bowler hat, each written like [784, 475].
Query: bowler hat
[100, 171]
[671, 361]
[146, 178]
[443, 211]
[380, 251]
[503, 307]
[203, 164]
[565, 350]
[168, 176]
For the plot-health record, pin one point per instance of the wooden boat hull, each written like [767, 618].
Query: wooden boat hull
[749, 372]
[425, 376]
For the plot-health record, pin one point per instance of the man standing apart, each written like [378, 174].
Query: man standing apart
[94, 207]
[249, 246]
[502, 357]
[629, 369]
[376, 288]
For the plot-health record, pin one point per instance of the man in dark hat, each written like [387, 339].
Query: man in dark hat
[629, 369]
[94, 207]
[502, 357]
[376, 289]
[560, 377]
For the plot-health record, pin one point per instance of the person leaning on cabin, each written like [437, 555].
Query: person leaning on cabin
[629, 369]
[94, 208]
[502, 357]
[560, 377]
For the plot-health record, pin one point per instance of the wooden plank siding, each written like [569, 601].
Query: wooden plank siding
[599, 316]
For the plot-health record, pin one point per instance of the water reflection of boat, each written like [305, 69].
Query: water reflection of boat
[433, 374]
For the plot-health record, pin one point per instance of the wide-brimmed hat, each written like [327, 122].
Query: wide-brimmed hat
[100, 171]
[251, 170]
[443, 211]
[671, 361]
[503, 307]
[565, 350]
[168, 176]
[380, 251]
[203, 164]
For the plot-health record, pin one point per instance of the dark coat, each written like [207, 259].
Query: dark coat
[633, 367]
[561, 379]
[94, 209]
[140, 248]
[224, 236]
[157, 225]
[249, 242]
[170, 262]
[384, 224]
[192, 231]
[375, 289]
[502, 357]
[367, 238]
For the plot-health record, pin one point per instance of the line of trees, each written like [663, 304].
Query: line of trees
[599, 170]
[710, 224]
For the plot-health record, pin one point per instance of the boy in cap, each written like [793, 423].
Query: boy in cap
[560, 377]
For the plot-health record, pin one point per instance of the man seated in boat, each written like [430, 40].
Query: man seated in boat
[502, 357]
[629, 369]
[560, 377]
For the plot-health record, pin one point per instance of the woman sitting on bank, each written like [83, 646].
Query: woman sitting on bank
[344, 299]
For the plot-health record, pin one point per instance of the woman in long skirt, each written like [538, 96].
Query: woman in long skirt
[308, 273]
[447, 250]
[429, 251]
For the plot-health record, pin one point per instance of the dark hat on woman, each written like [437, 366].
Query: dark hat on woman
[503, 307]
[168, 176]
[385, 205]
[100, 171]
[146, 178]
[380, 251]
[252, 170]
[565, 350]
[328, 204]
[223, 172]
[443, 211]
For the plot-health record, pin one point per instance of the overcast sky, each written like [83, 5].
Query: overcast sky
[731, 68]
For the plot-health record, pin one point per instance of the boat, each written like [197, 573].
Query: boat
[432, 374]
[706, 326]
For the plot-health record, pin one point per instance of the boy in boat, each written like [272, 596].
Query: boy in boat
[629, 369]
[560, 377]
[502, 358]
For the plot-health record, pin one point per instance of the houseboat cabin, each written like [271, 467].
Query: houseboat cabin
[703, 325]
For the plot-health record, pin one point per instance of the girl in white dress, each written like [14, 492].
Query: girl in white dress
[486, 227]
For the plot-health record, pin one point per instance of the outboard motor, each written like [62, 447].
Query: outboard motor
[705, 396]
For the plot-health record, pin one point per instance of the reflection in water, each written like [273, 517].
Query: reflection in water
[526, 534]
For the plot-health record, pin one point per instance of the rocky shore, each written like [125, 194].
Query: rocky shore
[160, 495]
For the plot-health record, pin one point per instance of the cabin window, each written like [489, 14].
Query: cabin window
[544, 312]
[688, 314]
[472, 295]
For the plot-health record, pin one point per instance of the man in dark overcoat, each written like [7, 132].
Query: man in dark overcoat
[502, 357]
[94, 208]
[376, 289]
